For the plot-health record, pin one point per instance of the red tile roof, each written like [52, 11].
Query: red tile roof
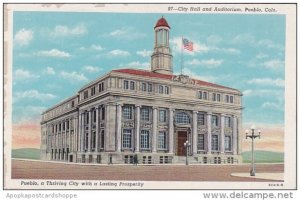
[147, 73]
[162, 22]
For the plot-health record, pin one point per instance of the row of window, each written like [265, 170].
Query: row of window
[214, 143]
[60, 127]
[93, 140]
[145, 87]
[215, 97]
[144, 139]
[94, 115]
[59, 110]
[93, 90]
[180, 117]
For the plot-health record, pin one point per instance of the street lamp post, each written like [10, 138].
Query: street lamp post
[252, 136]
[187, 145]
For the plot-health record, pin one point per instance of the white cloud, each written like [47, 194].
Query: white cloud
[267, 81]
[211, 63]
[229, 50]
[53, 53]
[251, 40]
[73, 77]
[273, 64]
[23, 37]
[144, 53]
[191, 74]
[243, 39]
[278, 93]
[93, 47]
[33, 94]
[118, 53]
[49, 71]
[127, 33]
[92, 69]
[214, 39]
[136, 64]
[27, 114]
[23, 75]
[261, 56]
[272, 106]
[62, 31]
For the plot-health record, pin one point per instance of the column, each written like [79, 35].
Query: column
[154, 129]
[82, 130]
[222, 136]
[75, 141]
[209, 133]
[195, 128]
[171, 131]
[79, 141]
[234, 135]
[97, 129]
[90, 132]
[70, 136]
[137, 135]
[66, 141]
[119, 127]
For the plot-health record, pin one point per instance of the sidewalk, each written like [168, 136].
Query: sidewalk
[266, 176]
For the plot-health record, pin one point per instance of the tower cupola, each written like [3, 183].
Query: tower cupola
[161, 58]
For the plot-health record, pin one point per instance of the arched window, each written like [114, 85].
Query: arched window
[182, 118]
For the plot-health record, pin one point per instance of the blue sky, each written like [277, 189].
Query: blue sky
[56, 53]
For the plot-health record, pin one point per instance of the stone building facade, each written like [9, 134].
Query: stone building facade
[146, 115]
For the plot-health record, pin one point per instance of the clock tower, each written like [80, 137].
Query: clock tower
[161, 58]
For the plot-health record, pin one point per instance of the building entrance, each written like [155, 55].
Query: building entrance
[182, 138]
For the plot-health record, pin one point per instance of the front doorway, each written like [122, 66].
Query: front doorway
[182, 138]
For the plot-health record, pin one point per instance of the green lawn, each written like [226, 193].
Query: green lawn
[26, 153]
[264, 157]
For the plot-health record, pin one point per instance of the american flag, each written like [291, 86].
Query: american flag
[188, 45]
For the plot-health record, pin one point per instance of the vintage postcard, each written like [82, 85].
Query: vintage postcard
[149, 96]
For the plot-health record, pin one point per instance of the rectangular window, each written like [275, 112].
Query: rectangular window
[227, 121]
[201, 119]
[93, 91]
[94, 115]
[144, 87]
[64, 127]
[68, 125]
[127, 112]
[161, 89]
[227, 98]
[85, 94]
[103, 113]
[162, 115]
[200, 142]
[149, 87]
[231, 99]
[102, 139]
[87, 118]
[218, 97]
[127, 138]
[214, 143]
[101, 87]
[145, 114]
[167, 90]
[214, 97]
[73, 104]
[200, 95]
[214, 120]
[132, 85]
[162, 140]
[94, 140]
[227, 143]
[126, 85]
[86, 142]
[205, 95]
[145, 139]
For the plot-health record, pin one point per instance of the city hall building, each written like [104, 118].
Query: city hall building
[147, 116]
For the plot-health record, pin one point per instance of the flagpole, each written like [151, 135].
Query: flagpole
[181, 53]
